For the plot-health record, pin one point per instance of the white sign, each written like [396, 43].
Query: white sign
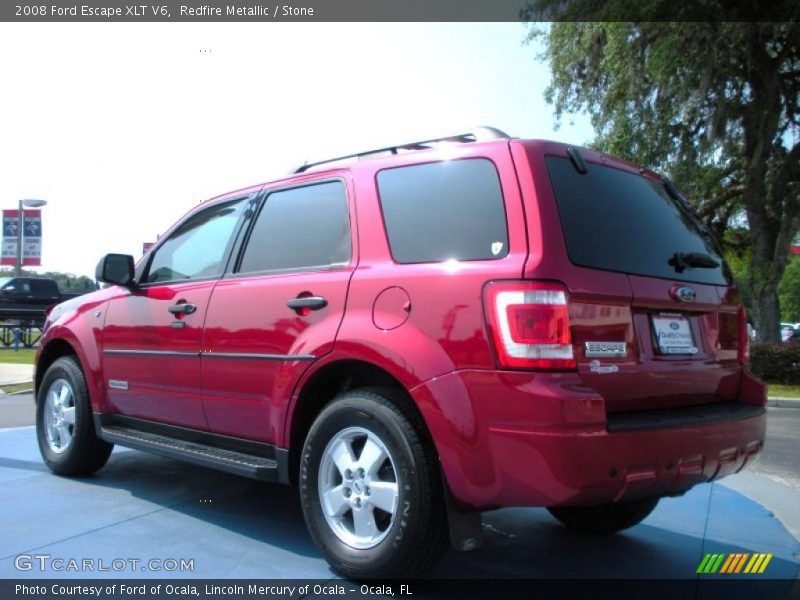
[673, 334]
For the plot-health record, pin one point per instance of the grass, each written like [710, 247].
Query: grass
[22, 387]
[25, 356]
[783, 391]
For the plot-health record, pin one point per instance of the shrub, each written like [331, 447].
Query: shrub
[776, 363]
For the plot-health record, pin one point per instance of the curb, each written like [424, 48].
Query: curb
[783, 402]
[15, 382]
[17, 392]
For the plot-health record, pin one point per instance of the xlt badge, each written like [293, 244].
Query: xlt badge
[606, 349]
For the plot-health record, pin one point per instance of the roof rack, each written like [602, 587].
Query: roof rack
[479, 134]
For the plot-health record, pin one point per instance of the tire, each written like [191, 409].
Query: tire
[64, 426]
[407, 533]
[605, 518]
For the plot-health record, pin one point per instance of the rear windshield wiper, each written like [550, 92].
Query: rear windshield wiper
[692, 260]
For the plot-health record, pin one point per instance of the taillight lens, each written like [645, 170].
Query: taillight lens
[743, 348]
[529, 323]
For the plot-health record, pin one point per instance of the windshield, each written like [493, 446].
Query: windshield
[620, 221]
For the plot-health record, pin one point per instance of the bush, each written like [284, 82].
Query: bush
[776, 363]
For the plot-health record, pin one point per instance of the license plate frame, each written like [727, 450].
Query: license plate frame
[673, 334]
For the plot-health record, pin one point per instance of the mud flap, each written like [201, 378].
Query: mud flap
[466, 528]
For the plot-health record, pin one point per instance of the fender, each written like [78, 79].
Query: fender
[79, 322]
[411, 358]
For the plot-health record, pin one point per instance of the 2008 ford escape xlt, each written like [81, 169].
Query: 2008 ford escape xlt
[416, 334]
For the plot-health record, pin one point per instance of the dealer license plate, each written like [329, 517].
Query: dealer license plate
[673, 334]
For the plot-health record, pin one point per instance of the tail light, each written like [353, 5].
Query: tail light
[743, 348]
[529, 324]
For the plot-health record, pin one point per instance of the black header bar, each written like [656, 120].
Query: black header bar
[394, 10]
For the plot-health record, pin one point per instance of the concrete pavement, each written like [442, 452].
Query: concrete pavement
[147, 507]
[12, 374]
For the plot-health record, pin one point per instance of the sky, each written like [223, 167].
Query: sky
[123, 127]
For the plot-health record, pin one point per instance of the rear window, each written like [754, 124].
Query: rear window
[619, 221]
[450, 210]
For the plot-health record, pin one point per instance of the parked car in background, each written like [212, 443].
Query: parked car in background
[27, 298]
[793, 336]
[416, 334]
[788, 331]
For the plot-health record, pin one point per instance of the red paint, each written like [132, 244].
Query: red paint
[507, 432]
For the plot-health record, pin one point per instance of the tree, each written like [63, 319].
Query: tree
[67, 282]
[712, 104]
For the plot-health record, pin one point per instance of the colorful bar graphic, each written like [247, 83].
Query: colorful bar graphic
[734, 563]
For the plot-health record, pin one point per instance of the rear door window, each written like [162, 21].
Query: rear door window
[302, 228]
[451, 210]
[620, 221]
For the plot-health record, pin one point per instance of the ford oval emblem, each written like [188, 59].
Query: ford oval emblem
[682, 293]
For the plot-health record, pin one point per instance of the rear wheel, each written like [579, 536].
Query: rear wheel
[605, 518]
[64, 426]
[371, 489]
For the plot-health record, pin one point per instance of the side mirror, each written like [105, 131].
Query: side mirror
[116, 269]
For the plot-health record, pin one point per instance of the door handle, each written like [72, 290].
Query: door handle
[308, 303]
[185, 308]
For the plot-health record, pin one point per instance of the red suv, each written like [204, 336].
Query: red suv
[416, 334]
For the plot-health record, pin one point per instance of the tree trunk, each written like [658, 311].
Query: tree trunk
[769, 247]
[764, 297]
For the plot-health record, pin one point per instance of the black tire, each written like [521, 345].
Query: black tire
[605, 518]
[85, 453]
[416, 537]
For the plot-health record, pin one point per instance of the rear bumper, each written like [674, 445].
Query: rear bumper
[543, 439]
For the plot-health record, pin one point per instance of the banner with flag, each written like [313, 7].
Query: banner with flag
[31, 238]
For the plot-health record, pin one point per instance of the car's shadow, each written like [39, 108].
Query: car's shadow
[233, 525]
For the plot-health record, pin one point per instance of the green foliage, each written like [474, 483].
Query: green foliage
[777, 363]
[740, 269]
[67, 282]
[713, 101]
[789, 291]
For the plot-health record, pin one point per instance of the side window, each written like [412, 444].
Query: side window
[42, 286]
[197, 248]
[19, 286]
[300, 228]
[442, 211]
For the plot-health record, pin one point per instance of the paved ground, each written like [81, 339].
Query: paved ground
[11, 374]
[781, 460]
[144, 507]
[16, 410]
[774, 480]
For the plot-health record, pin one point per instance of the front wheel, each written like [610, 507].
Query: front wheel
[605, 518]
[371, 489]
[64, 427]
